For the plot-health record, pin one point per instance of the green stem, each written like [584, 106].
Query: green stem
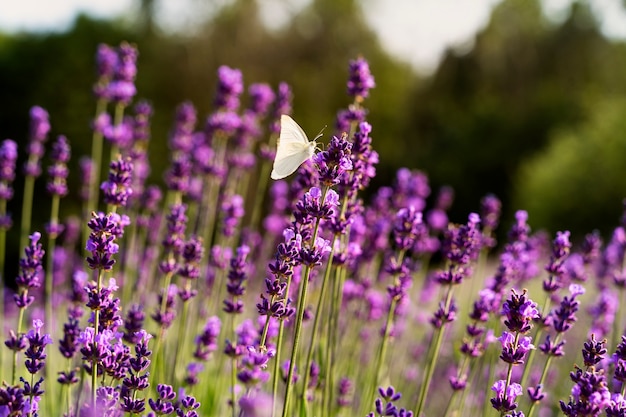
[94, 363]
[538, 334]
[300, 316]
[316, 323]
[20, 319]
[544, 374]
[275, 376]
[233, 366]
[27, 209]
[430, 366]
[3, 240]
[96, 161]
[54, 220]
[181, 339]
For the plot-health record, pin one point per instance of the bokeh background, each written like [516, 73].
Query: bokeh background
[527, 101]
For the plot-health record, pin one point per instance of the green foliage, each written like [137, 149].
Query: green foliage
[578, 182]
[485, 111]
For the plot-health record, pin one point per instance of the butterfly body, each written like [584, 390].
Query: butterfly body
[293, 148]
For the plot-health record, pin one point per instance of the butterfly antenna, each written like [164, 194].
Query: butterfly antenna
[319, 135]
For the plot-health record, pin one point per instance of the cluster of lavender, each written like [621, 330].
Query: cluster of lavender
[310, 300]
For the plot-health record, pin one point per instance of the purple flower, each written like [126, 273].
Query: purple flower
[513, 351]
[237, 276]
[361, 79]
[8, 158]
[192, 254]
[206, 342]
[39, 128]
[173, 242]
[408, 228]
[133, 324]
[229, 88]
[556, 268]
[563, 317]
[261, 98]
[333, 162]
[36, 345]
[118, 187]
[589, 395]
[58, 171]
[181, 138]
[520, 311]
[258, 404]
[593, 351]
[282, 105]
[101, 241]
[233, 209]
[505, 395]
[490, 207]
[163, 404]
[122, 88]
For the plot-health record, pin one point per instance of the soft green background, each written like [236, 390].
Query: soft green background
[534, 112]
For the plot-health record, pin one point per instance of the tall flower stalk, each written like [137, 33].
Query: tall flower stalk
[8, 158]
[57, 187]
[461, 247]
[39, 128]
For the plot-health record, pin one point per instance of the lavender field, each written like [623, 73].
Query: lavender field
[226, 293]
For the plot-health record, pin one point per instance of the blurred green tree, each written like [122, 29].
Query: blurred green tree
[485, 111]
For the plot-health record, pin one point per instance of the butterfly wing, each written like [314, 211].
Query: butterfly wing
[293, 148]
[292, 138]
[288, 164]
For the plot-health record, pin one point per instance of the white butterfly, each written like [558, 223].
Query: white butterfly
[293, 148]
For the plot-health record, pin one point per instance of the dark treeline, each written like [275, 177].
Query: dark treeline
[532, 112]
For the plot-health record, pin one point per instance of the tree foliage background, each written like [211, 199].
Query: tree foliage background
[533, 112]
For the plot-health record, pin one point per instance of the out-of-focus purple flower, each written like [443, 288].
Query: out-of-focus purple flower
[39, 128]
[229, 88]
[408, 228]
[122, 88]
[258, 404]
[174, 239]
[35, 353]
[237, 276]
[591, 247]
[556, 267]
[181, 137]
[192, 254]
[8, 158]
[166, 317]
[233, 211]
[261, 98]
[133, 323]
[282, 106]
[562, 318]
[490, 207]
[410, 189]
[101, 241]
[360, 79]
[253, 365]
[71, 330]
[206, 342]
[29, 276]
[118, 187]
[603, 312]
[58, 171]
